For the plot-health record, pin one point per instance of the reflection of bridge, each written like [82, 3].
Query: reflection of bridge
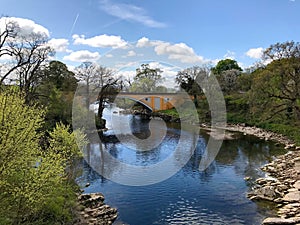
[156, 101]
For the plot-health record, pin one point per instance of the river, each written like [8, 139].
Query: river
[216, 195]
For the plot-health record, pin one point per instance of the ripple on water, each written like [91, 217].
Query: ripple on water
[214, 196]
[185, 212]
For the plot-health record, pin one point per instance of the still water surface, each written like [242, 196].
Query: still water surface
[214, 196]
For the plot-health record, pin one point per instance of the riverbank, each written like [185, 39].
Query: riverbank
[263, 134]
[282, 183]
[281, 186]
[92, 210]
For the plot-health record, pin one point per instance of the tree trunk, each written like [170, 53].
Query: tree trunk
[196, 101]
[100, 122]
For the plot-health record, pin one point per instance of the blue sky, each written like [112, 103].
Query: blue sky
[179, 32]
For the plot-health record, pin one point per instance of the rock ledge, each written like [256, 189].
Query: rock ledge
[93, 210]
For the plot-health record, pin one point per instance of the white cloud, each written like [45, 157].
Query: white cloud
[131, 53]
[60, 45]
[145, 42]
[127, 74]
[26, 26]
[255, 53]
[5, 58]
[82, 56]
[109, 55]
[129, 12]
[71, 68]
[102, 41]
[142, 42]
[229, 55]
[179, 51]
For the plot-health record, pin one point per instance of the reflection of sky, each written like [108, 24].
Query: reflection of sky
[214, 196]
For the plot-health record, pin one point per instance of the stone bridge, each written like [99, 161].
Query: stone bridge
[156, 101]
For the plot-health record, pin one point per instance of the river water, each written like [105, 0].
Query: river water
[216, 195]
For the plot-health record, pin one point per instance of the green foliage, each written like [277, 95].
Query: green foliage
[275, 92]
[35, 184]
[224, 65]
[56, 91]
[290, 131]
[146, 79]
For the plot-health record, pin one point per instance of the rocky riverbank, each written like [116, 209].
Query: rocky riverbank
[282, 183]
[93, 210]
[263, 134]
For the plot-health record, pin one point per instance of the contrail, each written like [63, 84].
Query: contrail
[73, 26]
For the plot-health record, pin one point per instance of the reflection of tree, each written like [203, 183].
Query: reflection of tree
[99, 159]
[227, 153]
[245, 154]
[140, 128]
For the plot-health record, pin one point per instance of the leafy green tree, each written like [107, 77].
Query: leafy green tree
[146, 79]
[244, 82]
[56, 92]
[227, 72]
[224, 65]
[34, 180]
[275, 91]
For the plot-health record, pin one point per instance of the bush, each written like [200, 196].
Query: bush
[35, 182]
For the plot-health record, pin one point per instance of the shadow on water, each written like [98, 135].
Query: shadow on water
[214, 196]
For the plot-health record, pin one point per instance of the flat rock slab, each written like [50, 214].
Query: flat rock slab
[292, 197]
[297, 166]
[297, 185]
[276, 220]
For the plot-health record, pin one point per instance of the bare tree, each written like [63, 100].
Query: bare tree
[10, 31]
[188, 80]
[28, 52]
[100, 83]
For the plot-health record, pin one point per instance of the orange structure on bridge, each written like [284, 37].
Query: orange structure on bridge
[156, 101]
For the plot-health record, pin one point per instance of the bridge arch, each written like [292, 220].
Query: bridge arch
[136, 100]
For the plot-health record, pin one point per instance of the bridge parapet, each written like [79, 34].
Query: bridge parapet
[156, 101]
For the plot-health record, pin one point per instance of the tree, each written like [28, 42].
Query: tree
[276, 90]
[34, 182]
[187, 80]
[224, 65]
[28, 52]
[9, 31]
[56, 92]
[227, 72]
[100, 83]
[289, 49]
[146, 79]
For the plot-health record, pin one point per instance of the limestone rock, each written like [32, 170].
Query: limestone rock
[293, 196]
[297, 185]
[95, 211]
[276, 220]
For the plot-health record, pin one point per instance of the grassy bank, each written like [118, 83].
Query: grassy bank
[238, 111]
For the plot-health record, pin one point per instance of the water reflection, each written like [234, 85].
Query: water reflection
[216, 195]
